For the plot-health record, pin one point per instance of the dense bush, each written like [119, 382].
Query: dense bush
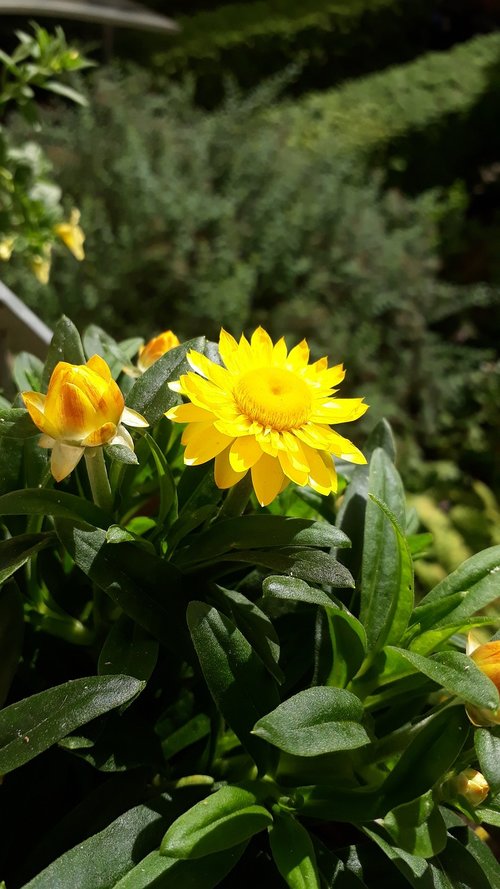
[431, 120]
[333, 39]
[209, 219]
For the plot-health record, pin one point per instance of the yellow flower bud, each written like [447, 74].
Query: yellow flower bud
[487, 658]
[40, 265]
[470, 784]
[72, 235]
[155, 348]
[6, 247]
[83, 408]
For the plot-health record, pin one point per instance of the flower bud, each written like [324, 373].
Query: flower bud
[71, 234]
[487, 658]
[83, 408]
[155, 348]
[469, 784]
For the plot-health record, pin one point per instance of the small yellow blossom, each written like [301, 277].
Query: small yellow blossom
[72, 234]
[41, 265]
[267, 411]
[155, 348]
[83, 408]
[6, 247]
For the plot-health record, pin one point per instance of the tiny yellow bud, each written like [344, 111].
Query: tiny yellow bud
[72, 235]
[40, 265]
[155, 348]
[472, 785]
[6, 248]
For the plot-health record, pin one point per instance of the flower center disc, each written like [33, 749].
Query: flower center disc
[273, 397]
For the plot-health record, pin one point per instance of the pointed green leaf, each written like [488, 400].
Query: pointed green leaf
[295, 590]
[27, 372]
[236, 677]
[315, 721]
[386, 575]
[477, 577]
[65, 345]
[40, 501]
[15, 422]
[293, 853]
[255, 626]
[32, 725]
[487, 744]
[157, 871]
[417, 827]
[129, 650]
[225, 819]
[150, 394]
[16, 551]
[458, 674]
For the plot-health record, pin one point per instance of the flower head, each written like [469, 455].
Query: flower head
[487, 658]
[83, 408]
[155, 348]
[72, 234]
[268, 411]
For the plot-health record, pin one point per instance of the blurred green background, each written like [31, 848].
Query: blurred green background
[328, 168]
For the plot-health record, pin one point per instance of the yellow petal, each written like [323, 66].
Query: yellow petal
[228, 351]
[262, 347]
[211, 371]
[188, 413]
[99, 366]
[299, 356]
[132, 418]
[74, 413]
[203, 442]
[123, 437]
[35, 405]
[338, 410]
[63, 460]
[320, 476]
[299, 476]
[100, 436]
[345, 449]
[46, 441]
[224, 474]
[267, 479]
[244, 452]
[280, 353]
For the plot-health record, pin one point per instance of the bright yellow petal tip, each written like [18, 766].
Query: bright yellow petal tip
[267, 411]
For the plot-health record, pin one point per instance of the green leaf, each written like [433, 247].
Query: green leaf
[417, 827]
[122, 454]
[261, 531]
[40, 501]
[487, 744]
[32, 725]
[464, 869]
[11, 636]
[157, 871]
[295, 590]
[236, 677]
[419, 873]
[227, 818]
[428, 756]
[168, 492]
[62, 89]
[293, 853]
[349, 647]
[255, 626]
[382, 437]
[102, 860]
[458, 674]
[16, 551]
[146, 587]
[315, 721]
[478, 577]
[129, 650]
[65, 345]
[27, 372]
[15, 422]
[150, 395]
[191, 731]
[313, 565]
[387, 574]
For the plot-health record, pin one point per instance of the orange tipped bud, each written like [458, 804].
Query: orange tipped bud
[155, 348]
[487, 658]
[470, 784]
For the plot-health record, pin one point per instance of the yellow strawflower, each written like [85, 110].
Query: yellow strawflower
[83, 408]
[72, 234]
[487, 658]
[155, 348]
[268, 411]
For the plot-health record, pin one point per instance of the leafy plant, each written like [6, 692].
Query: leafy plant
[31, 214]
[229, 692]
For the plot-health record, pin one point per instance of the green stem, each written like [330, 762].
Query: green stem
[237, 498]
[98, 477]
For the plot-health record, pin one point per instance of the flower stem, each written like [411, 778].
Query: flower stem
[237, 498]
[98, 477]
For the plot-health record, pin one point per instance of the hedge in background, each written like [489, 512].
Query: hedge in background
[331, 39]
[433, 119]
[209, 219]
